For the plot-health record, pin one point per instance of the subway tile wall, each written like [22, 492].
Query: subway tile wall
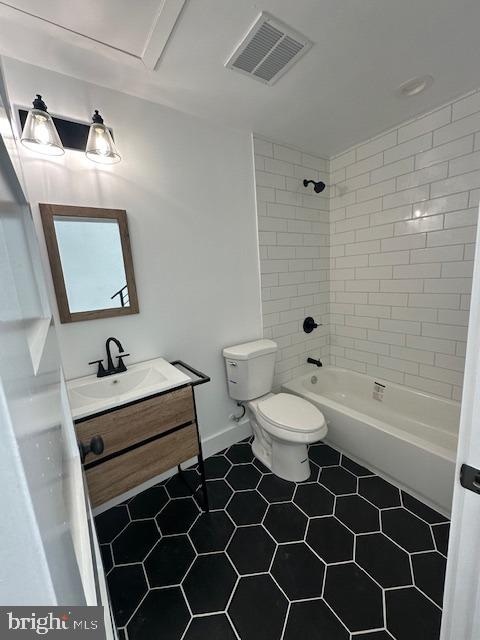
[293, 230]
[403, 216]
[384, 259]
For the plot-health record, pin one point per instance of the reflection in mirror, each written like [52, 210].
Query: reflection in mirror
[100, 281]
[91, 262]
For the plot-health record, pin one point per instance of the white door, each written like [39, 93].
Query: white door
[48, 549]
[461, 618]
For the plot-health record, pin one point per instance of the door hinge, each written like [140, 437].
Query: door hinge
[470, 478]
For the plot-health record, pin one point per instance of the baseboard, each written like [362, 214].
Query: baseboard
[213, 444]
[232, 434]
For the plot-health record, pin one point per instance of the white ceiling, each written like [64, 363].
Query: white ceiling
[117, 23]
[341, 92]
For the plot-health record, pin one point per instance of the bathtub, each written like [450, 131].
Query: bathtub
[406, 435]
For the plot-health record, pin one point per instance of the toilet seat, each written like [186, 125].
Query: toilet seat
[291, 413]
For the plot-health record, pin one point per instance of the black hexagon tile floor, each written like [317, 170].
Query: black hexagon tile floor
[343, 556]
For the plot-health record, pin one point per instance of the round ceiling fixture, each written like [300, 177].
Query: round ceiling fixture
[414, 86]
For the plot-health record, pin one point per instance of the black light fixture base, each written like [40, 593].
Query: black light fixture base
[39, 104]
[97, 118]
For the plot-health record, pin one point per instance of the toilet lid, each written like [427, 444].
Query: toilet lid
[291, 412]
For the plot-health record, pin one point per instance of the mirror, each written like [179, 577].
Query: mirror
[91, 261]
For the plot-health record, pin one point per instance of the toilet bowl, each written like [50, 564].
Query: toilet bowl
[283, 424]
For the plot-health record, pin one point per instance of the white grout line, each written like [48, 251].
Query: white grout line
[232, 625]
[359, 634]
[336, 616]
[136, 608]
[287, 614]
[235, 587]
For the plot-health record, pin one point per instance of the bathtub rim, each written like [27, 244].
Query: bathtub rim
[296, 387]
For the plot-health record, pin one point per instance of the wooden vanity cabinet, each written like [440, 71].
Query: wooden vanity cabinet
[141, 440]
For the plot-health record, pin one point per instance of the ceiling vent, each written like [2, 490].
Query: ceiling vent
[268, 50]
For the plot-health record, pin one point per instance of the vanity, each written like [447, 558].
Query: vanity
[135, 425]
[131, 424]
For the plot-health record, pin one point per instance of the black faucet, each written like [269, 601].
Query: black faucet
[313, 361]
[111, 368]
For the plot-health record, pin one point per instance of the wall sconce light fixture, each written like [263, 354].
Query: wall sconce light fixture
[100, 145]
[39, 132]
[43, 134]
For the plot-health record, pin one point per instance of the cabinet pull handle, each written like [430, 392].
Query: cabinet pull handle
[96, 446]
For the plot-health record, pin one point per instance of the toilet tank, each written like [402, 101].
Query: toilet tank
[250, 368]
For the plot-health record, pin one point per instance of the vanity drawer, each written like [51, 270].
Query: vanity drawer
[129, 425]
[127, 470]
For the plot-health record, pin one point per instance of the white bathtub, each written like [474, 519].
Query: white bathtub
[406, 435]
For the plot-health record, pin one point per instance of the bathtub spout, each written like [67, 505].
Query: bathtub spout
[313, 361]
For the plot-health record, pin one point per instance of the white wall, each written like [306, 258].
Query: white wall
[294, 254]
[188, 189]
[403, 223]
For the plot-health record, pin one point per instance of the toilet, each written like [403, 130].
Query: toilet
[283, 424]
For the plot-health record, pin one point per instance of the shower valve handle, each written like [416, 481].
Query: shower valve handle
[309, 324]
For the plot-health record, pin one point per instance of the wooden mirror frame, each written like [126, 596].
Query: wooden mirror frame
[48, 213]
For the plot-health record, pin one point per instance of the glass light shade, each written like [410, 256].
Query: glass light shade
[100, 145]
[40, 135]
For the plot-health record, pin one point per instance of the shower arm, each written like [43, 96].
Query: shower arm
[318, 187]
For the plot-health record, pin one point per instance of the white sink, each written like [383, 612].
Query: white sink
[91, 394]
[119, 384]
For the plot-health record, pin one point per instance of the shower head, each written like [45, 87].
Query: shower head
[318, 187]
